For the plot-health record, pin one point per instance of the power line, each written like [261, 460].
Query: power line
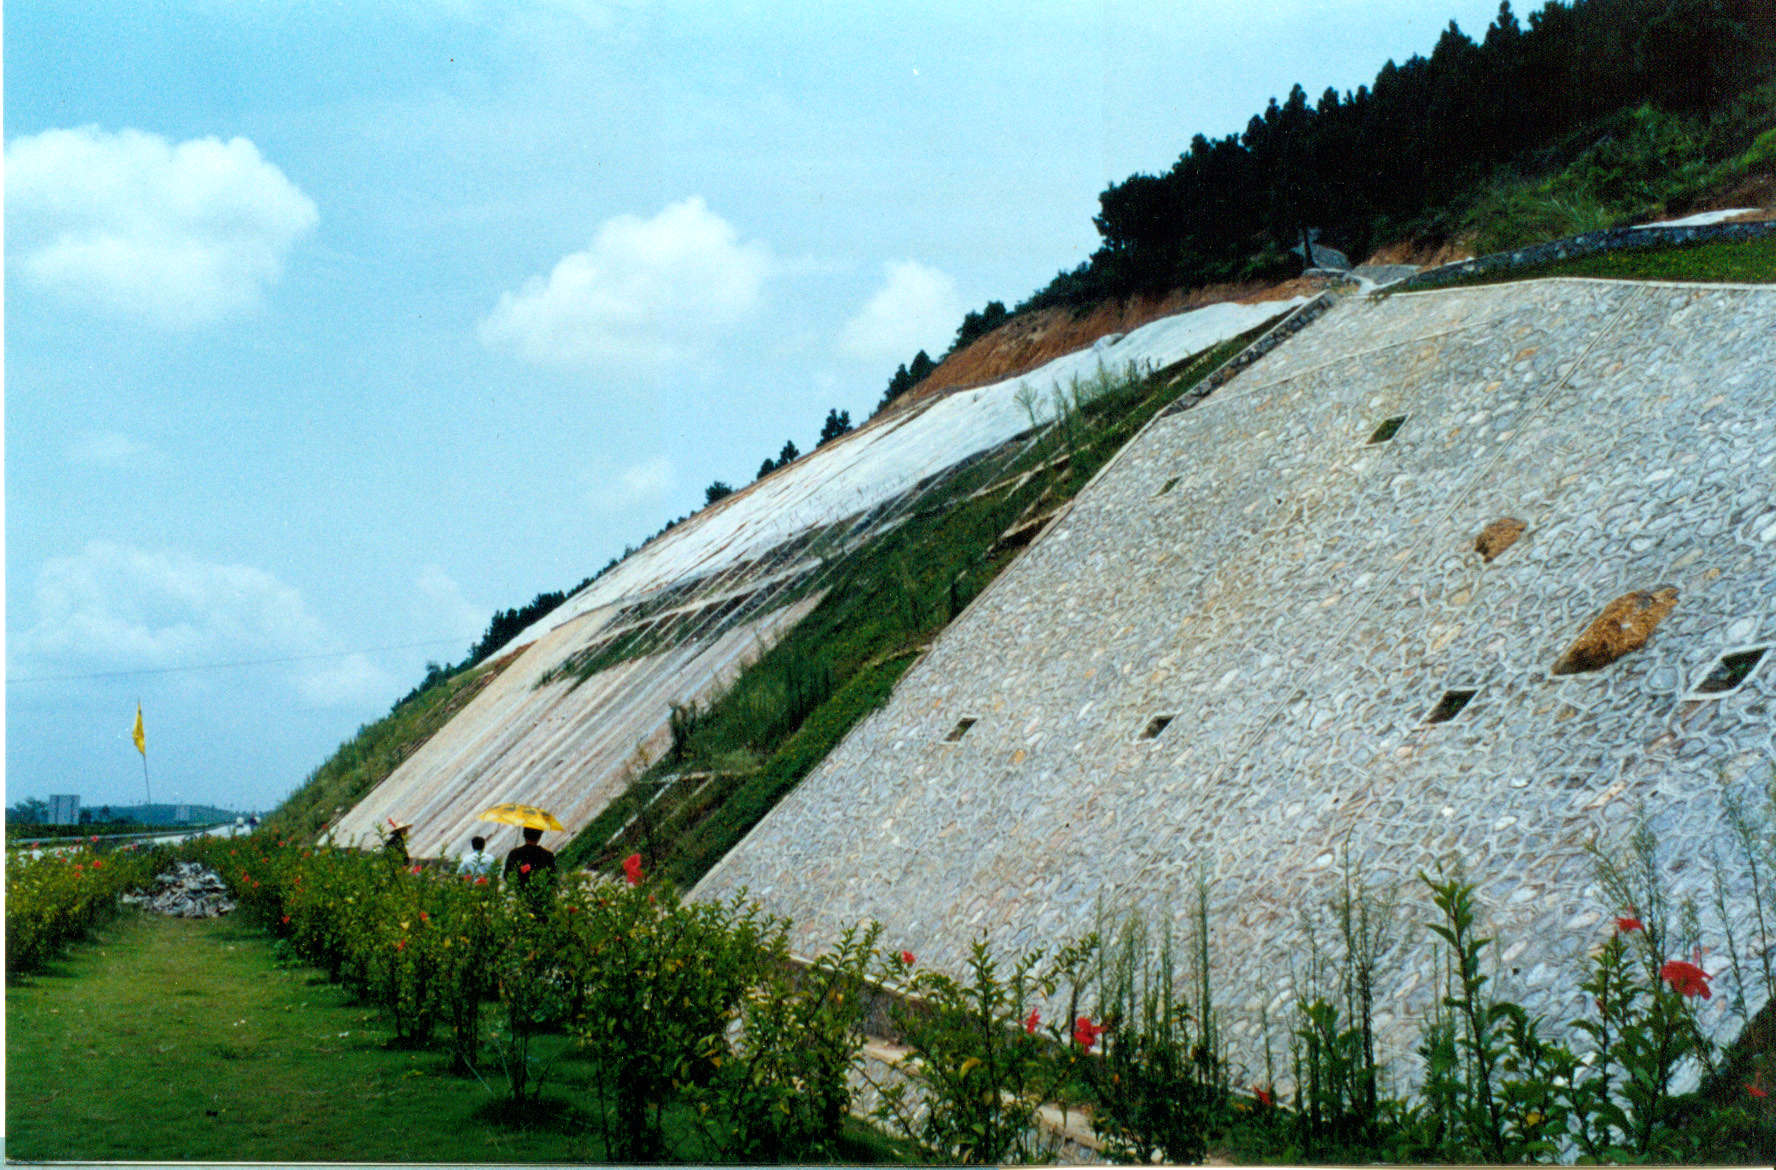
[232, 665]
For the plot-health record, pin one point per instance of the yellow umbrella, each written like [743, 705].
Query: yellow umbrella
[525, 816]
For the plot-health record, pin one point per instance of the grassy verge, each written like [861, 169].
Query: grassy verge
[1726, 262]
[173, 1039]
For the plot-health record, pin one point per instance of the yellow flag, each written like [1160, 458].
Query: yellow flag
[141, 741]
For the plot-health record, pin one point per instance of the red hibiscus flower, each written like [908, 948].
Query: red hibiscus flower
[1031, 1020]
[285, 920]
[907, 958]
[482, 880]
[1086, 1033]
[1628, 922]
[1686, 978]
[525, 868]
[97, 864]
[632, 869]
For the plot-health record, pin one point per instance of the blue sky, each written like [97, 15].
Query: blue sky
[331, 329]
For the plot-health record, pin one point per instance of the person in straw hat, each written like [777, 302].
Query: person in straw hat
[394, 846]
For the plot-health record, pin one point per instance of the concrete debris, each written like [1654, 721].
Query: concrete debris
[188, 890]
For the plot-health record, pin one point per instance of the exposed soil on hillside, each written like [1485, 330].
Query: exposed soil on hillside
[1033, 339]
[1422, 254]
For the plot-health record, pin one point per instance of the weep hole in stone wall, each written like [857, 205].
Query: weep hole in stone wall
[1156, 725]
[1387, 430]
[960, 730]
[1451, 704]
[1728, 673]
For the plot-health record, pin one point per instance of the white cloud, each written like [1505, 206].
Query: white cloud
[641, 483]
[181, 235]
[646, 294]
[105, 449]
[112, 606]
[916, 308]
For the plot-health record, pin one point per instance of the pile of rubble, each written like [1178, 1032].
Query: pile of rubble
[188, 890]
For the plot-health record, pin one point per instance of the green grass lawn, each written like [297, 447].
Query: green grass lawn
[171, 1039]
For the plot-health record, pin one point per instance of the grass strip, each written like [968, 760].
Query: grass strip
[174, 1039]
[1719, 262]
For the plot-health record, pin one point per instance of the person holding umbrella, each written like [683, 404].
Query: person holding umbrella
[530, 859]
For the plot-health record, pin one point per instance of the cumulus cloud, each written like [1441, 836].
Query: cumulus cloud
[119, 607]
[182, 235]
[105, 449]
[916, 308]
[646, 294]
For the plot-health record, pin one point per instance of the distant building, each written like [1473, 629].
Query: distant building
[64, 810]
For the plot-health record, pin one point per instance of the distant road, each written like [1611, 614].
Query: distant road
[155, 837]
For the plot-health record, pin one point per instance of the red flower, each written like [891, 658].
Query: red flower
[1086, 1033]
[1263, 1096]
[907, 958]
[286, 920]
[400, 944]
[573, 909]
[482, 880]
[1031, 1020]
[95, 839]
[632, 869]
[1629, 922]
[1686, 978]
[1754, 1091]
[97, 864]
[424, 917]
[525, 868]
[77, 867]
[416, 869]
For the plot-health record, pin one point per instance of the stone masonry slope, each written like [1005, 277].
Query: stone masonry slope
[1288, 574]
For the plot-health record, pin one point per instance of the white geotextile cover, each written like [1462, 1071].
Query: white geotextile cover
[880, 460]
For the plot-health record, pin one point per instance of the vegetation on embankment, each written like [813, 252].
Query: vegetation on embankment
[884, 603]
